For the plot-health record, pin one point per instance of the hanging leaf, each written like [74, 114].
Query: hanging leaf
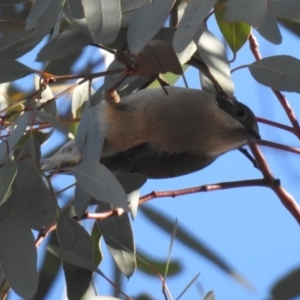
[66, 43]
[118, 236]
[11, 70]
[193, 16]
[77, 245]
[235, 33]
[36, 196]
[213, 53]
[146, 23]
[17, 249]
[280, 72]
[287, 9]
[8, 172]
[36, 12]
[105, 24]
[158, 56]
[100, 183]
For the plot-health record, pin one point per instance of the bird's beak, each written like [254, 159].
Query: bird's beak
[255, 134]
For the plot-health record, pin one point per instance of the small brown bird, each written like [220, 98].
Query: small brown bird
[166, 135]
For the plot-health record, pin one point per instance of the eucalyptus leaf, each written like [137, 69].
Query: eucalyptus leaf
[287, 286]
[269, 28]
[250, 11]
[280, 72]
[81, 200]
[91, 132]
[118, 236]
[19, 129]
[104, 298]
[11, 70]
[17, 248]
[287, 9]
[48, 117]
[35, 195]
[37, 10]
[213, 53]
[235, 33]
[77, 250]
[130, 5]
[146, 23]
[131, 181]
[104, 25]
[194, 14]
[210, 296]
[74, 258]
[8, 172]
[67, 42]
[100, 183]
[14, 48]
[80, 95]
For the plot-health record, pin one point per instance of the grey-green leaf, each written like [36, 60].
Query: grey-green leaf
[79, 267]
[68, 42]
[193, 16]
[81, 200]
[280, 72]
[28, 40]
[257, 13]
[38, 8]
[17, 249]
[131, 181]
[91, 132]
[250, 11]
[74, 258]
[100, 183]
[213, 53]
[118, 236]
[235, 33]
[210, 296]
[269, 27]
[19, 129]
[287, 9]
[8, 172]
[103, 19]
[47, 117]
[79, 96]
[38, 201]
[146, 23]
[11, 70]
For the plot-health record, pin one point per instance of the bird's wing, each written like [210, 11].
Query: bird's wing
[146, 160]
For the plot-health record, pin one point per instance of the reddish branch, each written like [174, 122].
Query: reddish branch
[286, 199]
[275, 124]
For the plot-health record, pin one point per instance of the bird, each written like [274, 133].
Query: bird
[165, 133]
[172, 132]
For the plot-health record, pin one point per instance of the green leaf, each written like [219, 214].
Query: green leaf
[8, 171]
[279, 72]
[174, 266]
[17, 248]
[96, 236]
[118, 236]
[235, 33]
[146, 23]
[77, 249]
[100, 183]
[12, 70]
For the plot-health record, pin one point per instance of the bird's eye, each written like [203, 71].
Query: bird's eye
[241, 113]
